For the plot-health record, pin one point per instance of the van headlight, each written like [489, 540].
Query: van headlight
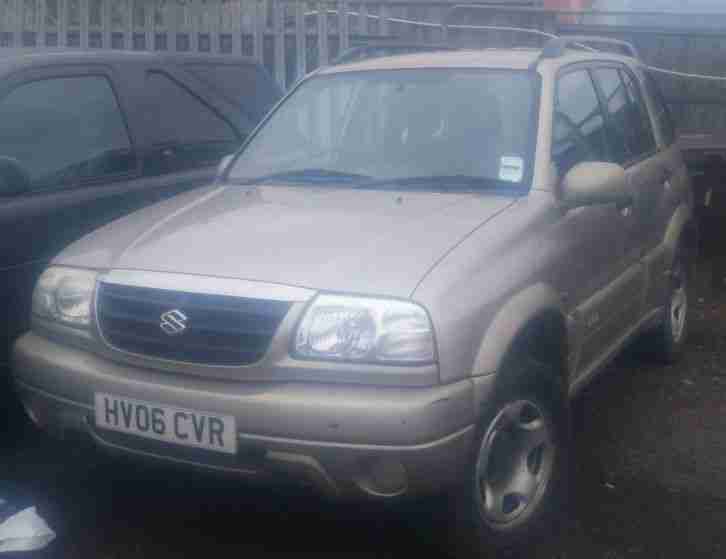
[359, 329]
[65, 295]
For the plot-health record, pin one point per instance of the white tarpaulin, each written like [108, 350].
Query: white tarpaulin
[24, 531]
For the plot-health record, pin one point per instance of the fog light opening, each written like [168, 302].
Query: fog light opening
[383, 477]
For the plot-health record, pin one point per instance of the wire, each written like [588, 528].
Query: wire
[685, 74]
[501, 28]
[441, 25]
[524, 30]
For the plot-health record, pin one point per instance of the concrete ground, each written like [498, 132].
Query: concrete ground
[650, 481]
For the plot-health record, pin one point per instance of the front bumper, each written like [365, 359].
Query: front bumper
[343, 439]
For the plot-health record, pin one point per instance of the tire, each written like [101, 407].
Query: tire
[665, 344]
[490, 514]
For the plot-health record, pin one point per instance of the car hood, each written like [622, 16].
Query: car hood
[360, 241]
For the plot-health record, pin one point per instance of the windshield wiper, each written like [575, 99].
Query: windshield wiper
[313, 175]
[439, 182]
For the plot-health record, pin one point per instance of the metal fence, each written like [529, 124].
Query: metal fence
[293, 37]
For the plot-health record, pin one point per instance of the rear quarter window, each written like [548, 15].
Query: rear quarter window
[246, 85]
[185, 132]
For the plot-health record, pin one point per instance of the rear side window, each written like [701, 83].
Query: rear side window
[662, 112]
[244, 85]
[64, 131]
[579, 125]
[186, 132]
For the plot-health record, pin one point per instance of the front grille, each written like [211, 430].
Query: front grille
[220, 330]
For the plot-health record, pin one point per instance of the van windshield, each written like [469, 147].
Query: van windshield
[367, 128]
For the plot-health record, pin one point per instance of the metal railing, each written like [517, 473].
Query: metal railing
[291, 37]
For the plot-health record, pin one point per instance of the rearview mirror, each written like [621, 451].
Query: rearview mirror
[14, 179]
[594, 183]
[223, 164]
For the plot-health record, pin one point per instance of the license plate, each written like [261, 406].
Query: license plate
[165, 423]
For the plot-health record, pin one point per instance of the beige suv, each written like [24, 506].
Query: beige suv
[395, 288]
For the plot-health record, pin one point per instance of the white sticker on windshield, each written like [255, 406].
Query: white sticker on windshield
[511, 169]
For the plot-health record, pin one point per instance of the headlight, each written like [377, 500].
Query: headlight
[365, 330]
[65, 295]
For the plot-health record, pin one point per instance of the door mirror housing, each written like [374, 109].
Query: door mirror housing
[14, 179]
[595, 183]
[223, 164]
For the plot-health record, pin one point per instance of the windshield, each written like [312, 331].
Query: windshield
[398, 125]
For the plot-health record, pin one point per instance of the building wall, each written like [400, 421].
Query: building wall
[568, 4]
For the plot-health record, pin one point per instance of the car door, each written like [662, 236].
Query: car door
[63, 126]
[634, 147]
[591, 269]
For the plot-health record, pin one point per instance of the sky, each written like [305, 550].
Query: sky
[655, 5]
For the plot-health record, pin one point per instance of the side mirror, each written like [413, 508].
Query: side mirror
[223, 164]
[14, 179]
[594, 183]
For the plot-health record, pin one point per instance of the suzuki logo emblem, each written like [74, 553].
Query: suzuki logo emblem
[173, 322]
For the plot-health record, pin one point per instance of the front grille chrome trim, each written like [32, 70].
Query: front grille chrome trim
[195, 285]
[208, 285]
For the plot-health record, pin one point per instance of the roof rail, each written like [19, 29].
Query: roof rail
[628, 49]
[557, 47]
[377, 49]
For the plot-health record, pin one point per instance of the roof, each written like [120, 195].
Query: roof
[511, 59]
[31, 56]
[490, 58]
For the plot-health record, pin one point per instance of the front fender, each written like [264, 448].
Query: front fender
[510, 321]
[675, 232]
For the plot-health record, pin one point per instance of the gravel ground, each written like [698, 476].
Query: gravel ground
[650, 481]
